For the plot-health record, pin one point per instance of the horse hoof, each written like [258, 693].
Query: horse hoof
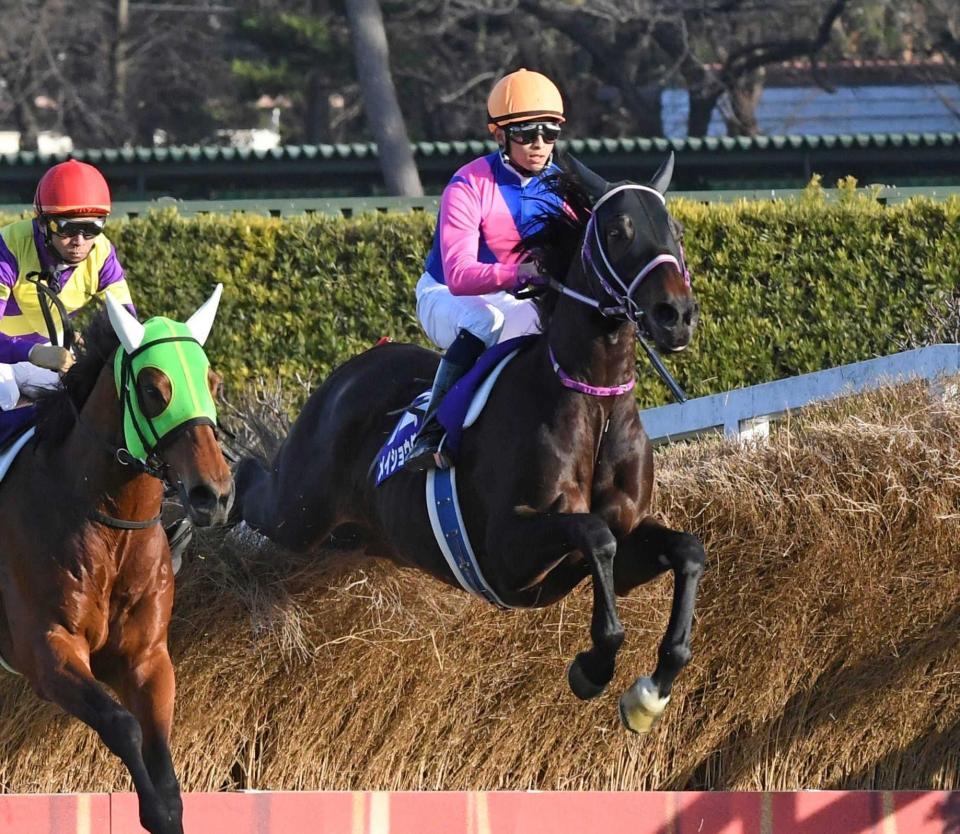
[641, 706]
[580, 684]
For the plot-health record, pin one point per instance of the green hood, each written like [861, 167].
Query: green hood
[170, 347]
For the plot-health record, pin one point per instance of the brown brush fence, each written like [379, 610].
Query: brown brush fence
[826, 651]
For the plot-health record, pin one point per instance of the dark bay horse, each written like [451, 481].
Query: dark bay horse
[86, 584]
[555, 477]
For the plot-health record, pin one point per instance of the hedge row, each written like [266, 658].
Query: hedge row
[785, 287]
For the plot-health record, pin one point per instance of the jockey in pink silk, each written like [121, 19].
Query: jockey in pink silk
[464, 298]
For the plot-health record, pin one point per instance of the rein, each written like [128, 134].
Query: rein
[48, 293]
[155, 468]
[124, 458]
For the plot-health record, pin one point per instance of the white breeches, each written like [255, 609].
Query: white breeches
[492, 318]
[22, 379]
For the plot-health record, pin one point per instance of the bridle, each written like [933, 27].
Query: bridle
[596, 264]
[152, 463]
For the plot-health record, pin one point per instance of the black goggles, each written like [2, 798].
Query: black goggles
[66, 227]
[526, 132]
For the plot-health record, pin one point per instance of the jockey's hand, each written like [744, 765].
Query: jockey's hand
[528, 275]
[51, 357]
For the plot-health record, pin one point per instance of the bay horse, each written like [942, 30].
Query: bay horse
[86, 583]
[555, 477]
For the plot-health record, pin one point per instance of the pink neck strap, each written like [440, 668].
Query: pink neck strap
[583, 388]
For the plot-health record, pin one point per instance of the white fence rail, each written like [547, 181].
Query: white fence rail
[746, 412]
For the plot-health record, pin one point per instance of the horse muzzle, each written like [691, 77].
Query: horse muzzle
[671, 323]
[208, 504]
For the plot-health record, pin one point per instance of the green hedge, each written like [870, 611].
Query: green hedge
[785, 287]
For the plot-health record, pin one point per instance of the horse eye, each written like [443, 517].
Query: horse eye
[153, 391]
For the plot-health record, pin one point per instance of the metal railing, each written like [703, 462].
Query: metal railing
[747, 412]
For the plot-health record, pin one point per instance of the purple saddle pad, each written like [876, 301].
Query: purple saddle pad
[454, 408]
[452, 413]
[14, 422]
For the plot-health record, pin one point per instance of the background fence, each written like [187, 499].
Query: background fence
[343, 170]
[747, 412]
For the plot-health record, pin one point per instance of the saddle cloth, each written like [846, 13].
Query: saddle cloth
[16, 428]
[458, 411]
[15, 421]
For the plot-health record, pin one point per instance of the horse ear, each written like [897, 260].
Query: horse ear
[661, 179]
[129, 331]
[595, 185]
[202, 320]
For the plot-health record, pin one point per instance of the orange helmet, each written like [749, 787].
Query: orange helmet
[522, 96]
[72, 188]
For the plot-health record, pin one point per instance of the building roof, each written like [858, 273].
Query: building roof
[432, 150]
[353, 170]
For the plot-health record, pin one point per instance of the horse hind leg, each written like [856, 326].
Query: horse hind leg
[647, 552]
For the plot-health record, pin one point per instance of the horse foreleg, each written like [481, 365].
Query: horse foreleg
[64, 677]
[284, 504]
[644, 554]
[147, 688]
[533, 546]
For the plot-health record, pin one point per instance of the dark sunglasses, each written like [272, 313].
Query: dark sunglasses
[65, 227]
[524, 134]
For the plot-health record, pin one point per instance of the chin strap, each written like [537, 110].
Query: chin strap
[523, 172]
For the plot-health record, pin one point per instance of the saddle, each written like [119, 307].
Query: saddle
[459, 410]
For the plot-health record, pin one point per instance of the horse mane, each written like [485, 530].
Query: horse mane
[57, 408]
[555, 241]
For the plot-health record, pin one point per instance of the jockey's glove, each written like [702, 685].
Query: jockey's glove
[528, 275]
[51, 357]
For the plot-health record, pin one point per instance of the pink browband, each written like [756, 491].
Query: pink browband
[582, 387]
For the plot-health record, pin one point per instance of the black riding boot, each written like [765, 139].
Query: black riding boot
[458, 359]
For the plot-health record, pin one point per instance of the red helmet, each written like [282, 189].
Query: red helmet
[72, 189]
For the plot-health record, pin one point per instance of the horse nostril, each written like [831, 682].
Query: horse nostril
[692, 313]
[666, 315]
[203, 498]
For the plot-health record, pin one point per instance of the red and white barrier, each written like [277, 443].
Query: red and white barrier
[818, 812]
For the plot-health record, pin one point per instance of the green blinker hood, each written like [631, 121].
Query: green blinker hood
[170, 347]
